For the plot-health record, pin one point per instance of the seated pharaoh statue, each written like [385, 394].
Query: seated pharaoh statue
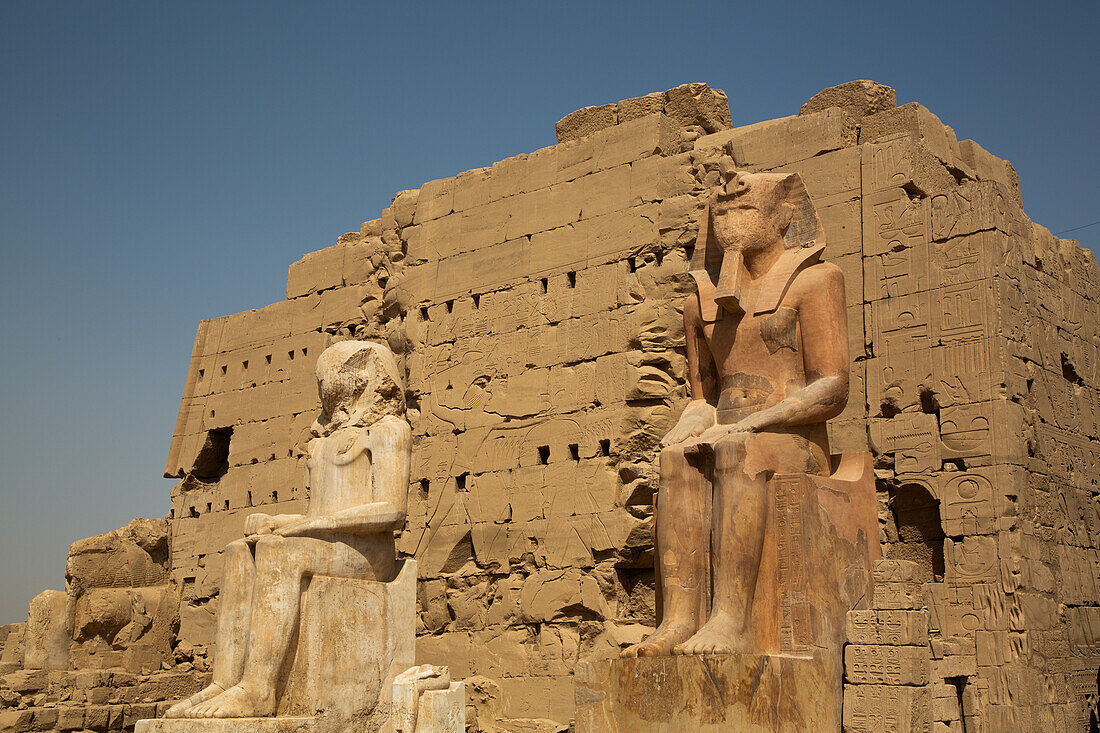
[767, 353]
[358, 461]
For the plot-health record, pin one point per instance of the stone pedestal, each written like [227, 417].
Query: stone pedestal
[733, 692]
[441, 711]
[353, 638]
[820, 540]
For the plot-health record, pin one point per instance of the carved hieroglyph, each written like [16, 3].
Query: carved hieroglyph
[359, 475]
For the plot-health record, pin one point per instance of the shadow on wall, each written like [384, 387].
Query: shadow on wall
[917, 534]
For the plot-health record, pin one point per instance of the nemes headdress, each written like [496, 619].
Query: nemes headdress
[353, 367]
[804, 239]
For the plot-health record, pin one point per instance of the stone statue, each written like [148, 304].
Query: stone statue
[767, 351]
[359, 465]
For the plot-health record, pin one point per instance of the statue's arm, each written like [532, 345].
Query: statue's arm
[702, 373]
[699, 415]
[389, 443]
[823, 324]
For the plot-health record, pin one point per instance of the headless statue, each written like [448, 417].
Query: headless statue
[359, 465]
[767, 353]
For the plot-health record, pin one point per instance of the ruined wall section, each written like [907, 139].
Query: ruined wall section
[534, 305]
[544, 369]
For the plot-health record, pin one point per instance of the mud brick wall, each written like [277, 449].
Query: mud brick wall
[535, 307]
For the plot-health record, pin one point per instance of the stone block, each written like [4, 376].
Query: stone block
[697, 105]
[891, 628]
[883, 708]
[973, 207]
[893, 665]
[915, 121]
[48, 633]
[904, 162]
[717, 693]
[635, 107]
[436, 199]
[897, 596]
[586, 121]
[779, 142]
[316, 271]
[858, 98]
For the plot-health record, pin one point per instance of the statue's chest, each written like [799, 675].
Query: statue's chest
[334, 481]
[769, 337]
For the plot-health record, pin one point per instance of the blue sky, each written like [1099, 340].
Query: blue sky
[163, 163]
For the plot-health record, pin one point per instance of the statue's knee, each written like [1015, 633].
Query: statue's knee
[673, 456]
[268, 546]
[729, 452]
[236, 548]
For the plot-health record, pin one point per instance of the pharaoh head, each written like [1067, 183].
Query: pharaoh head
[356, 376]
[748, 214]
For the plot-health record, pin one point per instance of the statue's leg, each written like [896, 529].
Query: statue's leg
[231, 638]
[681, 551]
[281, 563]
[739, 514]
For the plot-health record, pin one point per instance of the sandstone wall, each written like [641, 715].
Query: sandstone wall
[535, 306]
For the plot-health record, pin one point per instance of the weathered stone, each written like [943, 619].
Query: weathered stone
[697, 104]
[48, 633]
[857, 98]
[585, 121]
[679, 693]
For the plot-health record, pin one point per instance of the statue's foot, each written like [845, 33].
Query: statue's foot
[183, 707]
[713, 638]
[661, 642]
[236, 702]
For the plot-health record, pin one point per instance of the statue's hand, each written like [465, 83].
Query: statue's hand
[698, 417]
[300, 525]
[754, 423]
[259, 524]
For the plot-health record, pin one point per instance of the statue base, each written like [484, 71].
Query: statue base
[227, 725]
[742, 692]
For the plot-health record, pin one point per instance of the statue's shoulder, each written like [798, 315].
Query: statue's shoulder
[816, 279]
[390, 427]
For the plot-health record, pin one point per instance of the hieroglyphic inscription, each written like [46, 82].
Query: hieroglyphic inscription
[893, 628]
[885, 709]
[894, 665]
[913, 438]
[966, 504]
[796, 632]
[972, 207]
[895, 222]
[901, 325]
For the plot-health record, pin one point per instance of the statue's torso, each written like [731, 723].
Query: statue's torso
[334, 487]
[759, 360]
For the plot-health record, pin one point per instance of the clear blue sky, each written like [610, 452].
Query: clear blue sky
[163, 163]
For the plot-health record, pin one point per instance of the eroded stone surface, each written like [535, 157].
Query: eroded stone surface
[742, 692]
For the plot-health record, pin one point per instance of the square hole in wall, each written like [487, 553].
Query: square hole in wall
[544, 454]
